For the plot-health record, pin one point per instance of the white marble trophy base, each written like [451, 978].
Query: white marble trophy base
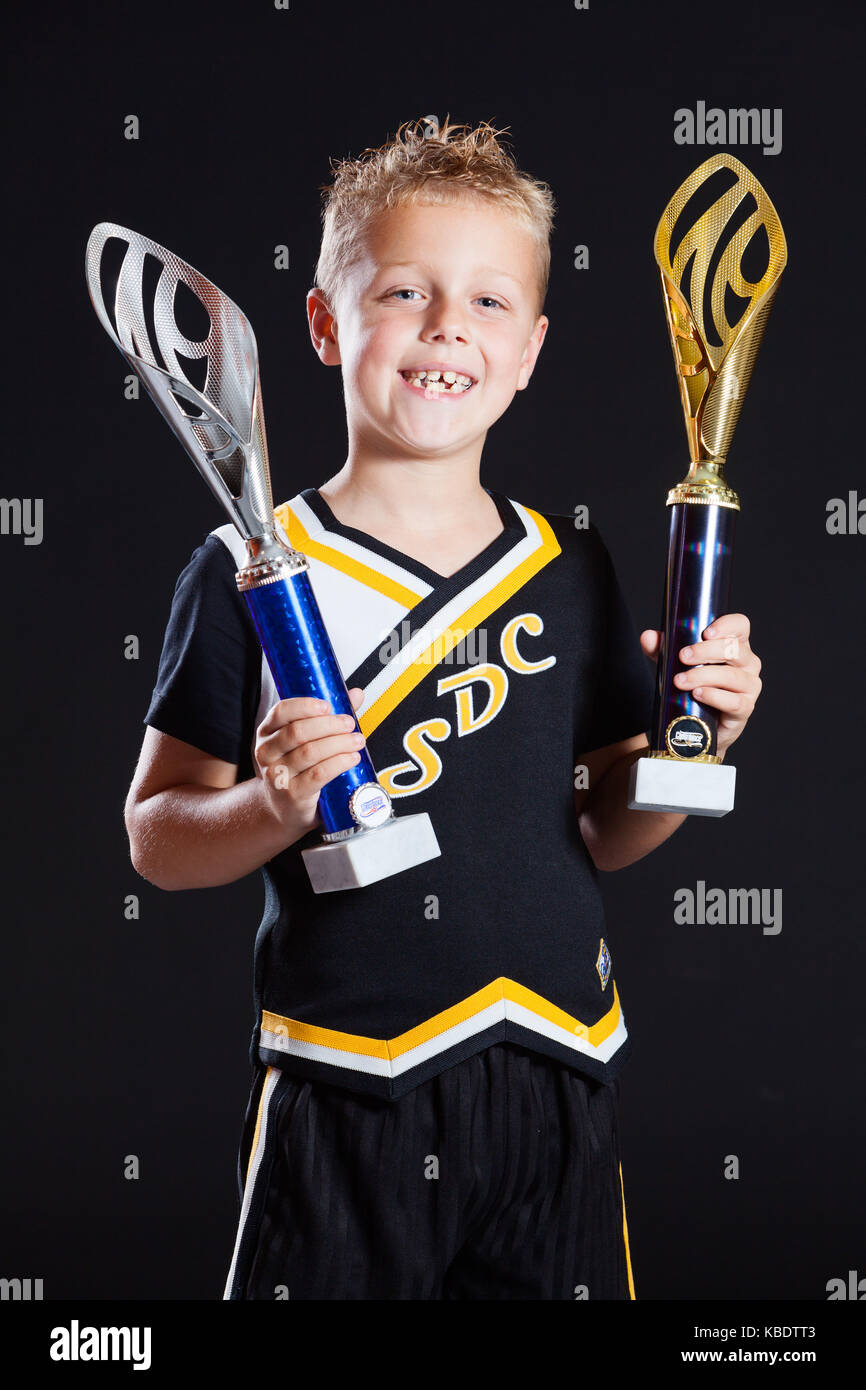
[673, 784]
[371, 854]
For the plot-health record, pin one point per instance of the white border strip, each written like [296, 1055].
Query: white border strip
[370, 559]
[494, 1013]
[456, 608]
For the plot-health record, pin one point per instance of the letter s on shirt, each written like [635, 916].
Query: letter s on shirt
[425, 760]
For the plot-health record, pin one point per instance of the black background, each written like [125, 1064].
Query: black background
[130, 1037]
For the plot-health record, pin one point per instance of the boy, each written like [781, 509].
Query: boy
[433, 1108]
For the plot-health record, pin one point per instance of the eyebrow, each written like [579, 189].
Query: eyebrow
[479, 270]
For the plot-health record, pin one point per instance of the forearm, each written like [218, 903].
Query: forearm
[201, 837]
[614, 835]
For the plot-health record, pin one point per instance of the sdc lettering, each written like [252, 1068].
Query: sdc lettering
[486, 679]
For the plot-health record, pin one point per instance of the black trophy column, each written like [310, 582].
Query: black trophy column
[700, 561]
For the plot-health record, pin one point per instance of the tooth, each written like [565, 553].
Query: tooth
[433, 376]
[421, 375]
[449, 377]
[416, 381]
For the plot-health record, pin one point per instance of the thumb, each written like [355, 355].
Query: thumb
[650, 640]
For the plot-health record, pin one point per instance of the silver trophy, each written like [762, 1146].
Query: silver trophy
[209, 391]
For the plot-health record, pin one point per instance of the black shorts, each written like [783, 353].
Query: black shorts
[498, 1178]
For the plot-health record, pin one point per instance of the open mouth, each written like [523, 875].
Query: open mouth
[438, 383]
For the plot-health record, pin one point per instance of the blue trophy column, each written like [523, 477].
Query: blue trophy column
[302, 662]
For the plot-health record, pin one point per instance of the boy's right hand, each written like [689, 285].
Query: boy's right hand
[299, 748]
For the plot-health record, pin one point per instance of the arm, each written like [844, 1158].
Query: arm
[191, 824]
[614, 835]
[728, 680]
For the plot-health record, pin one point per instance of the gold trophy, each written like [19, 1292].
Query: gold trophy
[721, 250]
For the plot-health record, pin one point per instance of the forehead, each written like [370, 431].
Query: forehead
[470, 235]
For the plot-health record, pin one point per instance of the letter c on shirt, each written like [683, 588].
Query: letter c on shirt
[508, 645]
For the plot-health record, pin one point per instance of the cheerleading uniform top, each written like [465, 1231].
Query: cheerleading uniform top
[482, 690]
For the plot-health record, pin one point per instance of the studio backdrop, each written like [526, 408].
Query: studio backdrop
[210, 129]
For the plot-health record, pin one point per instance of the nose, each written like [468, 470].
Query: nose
[446, 321]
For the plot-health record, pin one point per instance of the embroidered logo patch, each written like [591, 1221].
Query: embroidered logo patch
[603, 963]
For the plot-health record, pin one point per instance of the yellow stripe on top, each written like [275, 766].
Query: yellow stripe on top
[456, 632]
[387, 1049]
[301, 539]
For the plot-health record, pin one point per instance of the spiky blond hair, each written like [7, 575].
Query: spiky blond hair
[426, 163]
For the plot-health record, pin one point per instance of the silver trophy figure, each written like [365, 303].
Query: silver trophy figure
[210, 393]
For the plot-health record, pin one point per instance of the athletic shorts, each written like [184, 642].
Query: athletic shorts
[499, 1178]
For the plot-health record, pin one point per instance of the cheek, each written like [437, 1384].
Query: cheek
[504, 352]
[506, 367]
[378, 353]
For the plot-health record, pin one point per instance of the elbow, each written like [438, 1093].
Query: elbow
[601, 856]
[610, 863]
[140, 852]
[607, 867]
[592, 844]
[603, 864]
[149, 873]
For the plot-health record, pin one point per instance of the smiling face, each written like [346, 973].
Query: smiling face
[435, 288]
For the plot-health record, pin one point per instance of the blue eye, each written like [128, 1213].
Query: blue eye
[485, 299]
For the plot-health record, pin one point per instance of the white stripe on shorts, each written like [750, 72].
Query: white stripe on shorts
[258, 1149]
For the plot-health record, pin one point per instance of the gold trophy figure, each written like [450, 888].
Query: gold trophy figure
[720, 250]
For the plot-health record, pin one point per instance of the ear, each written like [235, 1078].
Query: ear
[323, 329]
[533, 348]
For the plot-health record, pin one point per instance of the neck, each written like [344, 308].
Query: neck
[416, 496]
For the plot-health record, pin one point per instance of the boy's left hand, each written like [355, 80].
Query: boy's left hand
[733, 687]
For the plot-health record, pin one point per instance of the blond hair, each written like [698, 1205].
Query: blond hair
[428, 164]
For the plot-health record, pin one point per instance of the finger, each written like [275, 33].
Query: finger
[733, 649]
[727, 702]
[728, 625]
[721, 677]
[308, 784]
[272, 747]
[307, 754]
[296, 707]
[650, 640]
